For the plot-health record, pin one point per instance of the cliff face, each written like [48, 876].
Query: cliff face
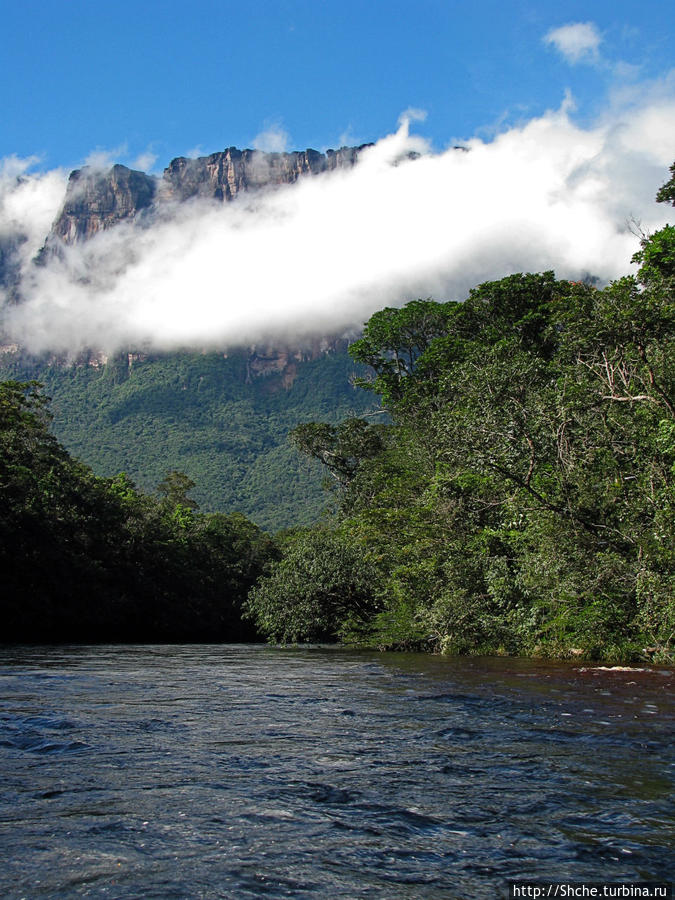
[97, 200]
[283, 361]
[224, 175]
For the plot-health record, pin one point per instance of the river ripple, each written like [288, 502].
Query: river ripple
[248, 771]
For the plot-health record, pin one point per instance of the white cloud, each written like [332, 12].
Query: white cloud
[625, 71]
[104, 159]
[13, 166]
[412, 114]
[29, 203]
[578, 42]
[145, 161]
[274, 139]
[348, 138]
[323, 254]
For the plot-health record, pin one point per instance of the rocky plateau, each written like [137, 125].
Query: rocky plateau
[96, 200]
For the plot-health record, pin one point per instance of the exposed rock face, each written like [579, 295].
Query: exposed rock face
[96, 200]
[224, 175]
[263, 362]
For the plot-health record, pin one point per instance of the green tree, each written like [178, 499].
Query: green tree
[340, 448]
[657, 256]
[666, 193]
[393, 341]
[175, 487]
[320, 589]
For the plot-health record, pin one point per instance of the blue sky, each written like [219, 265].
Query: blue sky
[144, 80]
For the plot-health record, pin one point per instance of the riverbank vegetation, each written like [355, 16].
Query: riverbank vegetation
[87, 558]
[522, 500]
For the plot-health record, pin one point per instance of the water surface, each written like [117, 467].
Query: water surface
[248, 771]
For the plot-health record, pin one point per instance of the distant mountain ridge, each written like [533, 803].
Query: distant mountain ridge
[222, 176]
[96, 200]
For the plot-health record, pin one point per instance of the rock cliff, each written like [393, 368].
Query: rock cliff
[97, 200]
[224, 175]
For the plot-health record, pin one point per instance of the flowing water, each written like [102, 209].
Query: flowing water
[248, 771]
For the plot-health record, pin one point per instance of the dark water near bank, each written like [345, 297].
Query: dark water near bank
[237, 772]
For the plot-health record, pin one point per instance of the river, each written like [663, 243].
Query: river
[250, 771]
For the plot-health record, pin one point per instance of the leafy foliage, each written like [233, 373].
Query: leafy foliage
[175, 489]
[320, 589]
[666, 193]
[86, 558]
[342, 448]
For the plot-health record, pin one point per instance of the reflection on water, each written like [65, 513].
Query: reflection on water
[237, 772]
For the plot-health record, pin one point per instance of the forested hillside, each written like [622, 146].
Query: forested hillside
[212, 416]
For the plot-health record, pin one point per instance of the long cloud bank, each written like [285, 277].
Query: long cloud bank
[321, 255]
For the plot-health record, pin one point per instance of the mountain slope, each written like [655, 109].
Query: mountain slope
[207, 415]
